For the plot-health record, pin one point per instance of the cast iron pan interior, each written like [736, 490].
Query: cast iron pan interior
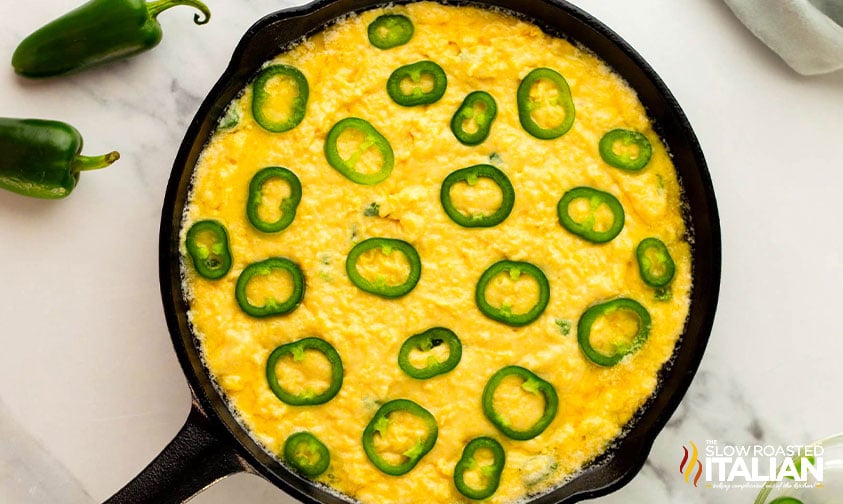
[264, 41]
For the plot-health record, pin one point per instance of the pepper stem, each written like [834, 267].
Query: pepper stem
[159, 6]
[88, 163]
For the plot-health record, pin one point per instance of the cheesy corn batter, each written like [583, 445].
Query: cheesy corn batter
[347, 75]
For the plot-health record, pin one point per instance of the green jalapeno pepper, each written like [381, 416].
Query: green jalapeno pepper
[415, 72]
[390, 30]
[632, 161]
[288, 205]
[593, 313]
[306, 454]
[533, 385]
[786, 500]
[654, 262]
[297, 350]
[424, 342]
[372, 138]
[527, 105]
[480, 108]
[492, 473]
[586, 228]
[379, 287]
[470, 176]
[207, 244]
[97, 32]
[41, 158]
[261, 95]
[379, 425]
[504, 314]
[271, 306]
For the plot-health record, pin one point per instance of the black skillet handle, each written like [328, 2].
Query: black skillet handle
[198, 456]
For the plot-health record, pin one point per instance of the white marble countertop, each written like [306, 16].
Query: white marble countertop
[87, 366]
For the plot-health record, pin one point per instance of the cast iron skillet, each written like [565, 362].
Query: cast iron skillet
[212, 445]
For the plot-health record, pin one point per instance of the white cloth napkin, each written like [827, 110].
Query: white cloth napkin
[807, 34]
[29, 474]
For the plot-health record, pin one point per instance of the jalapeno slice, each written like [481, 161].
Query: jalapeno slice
[586, 228]
[470, 176]
[379, 287]
[654, 262]
[306, 454]
[414, 73]
[379, 425]
[425, 342]
[479, 108]
[533, 385]
[491, 473]
[288, 205]
[504, 313]
[271, 306]
[593, 313]
[297, 350]
[390, 30]
[207, 245]
[261, 95]
[634, 153]
[527, 105]
[371, 138]
[786, 500]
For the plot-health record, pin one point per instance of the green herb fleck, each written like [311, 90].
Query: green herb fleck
[230, 120]
[495, 159]
[663, 294]
[564, 326]
[373, 210]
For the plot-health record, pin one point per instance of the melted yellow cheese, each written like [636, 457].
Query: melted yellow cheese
[479, 50]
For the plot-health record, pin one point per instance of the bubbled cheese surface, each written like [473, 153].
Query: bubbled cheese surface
[479, 50]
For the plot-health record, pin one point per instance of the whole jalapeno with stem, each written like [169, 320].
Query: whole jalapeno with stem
[97, 32]
[372, 138]
[261, 96]
[654, 262]
[42, 159]
[504, 313]
[621, 350]
[379, 287]
[625, 149]
[587, 228]
[528, 105]
[491, 473]
[288, 205]
[470, 176]
[425, 342]
[306, 454]
[379, 426]
[480, 109]
[207, 245]
[297, 350]
[390, 30]
[531, 384]
[271, 307]
[415, 73]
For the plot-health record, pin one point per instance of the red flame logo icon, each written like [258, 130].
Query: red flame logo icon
[691, 464]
